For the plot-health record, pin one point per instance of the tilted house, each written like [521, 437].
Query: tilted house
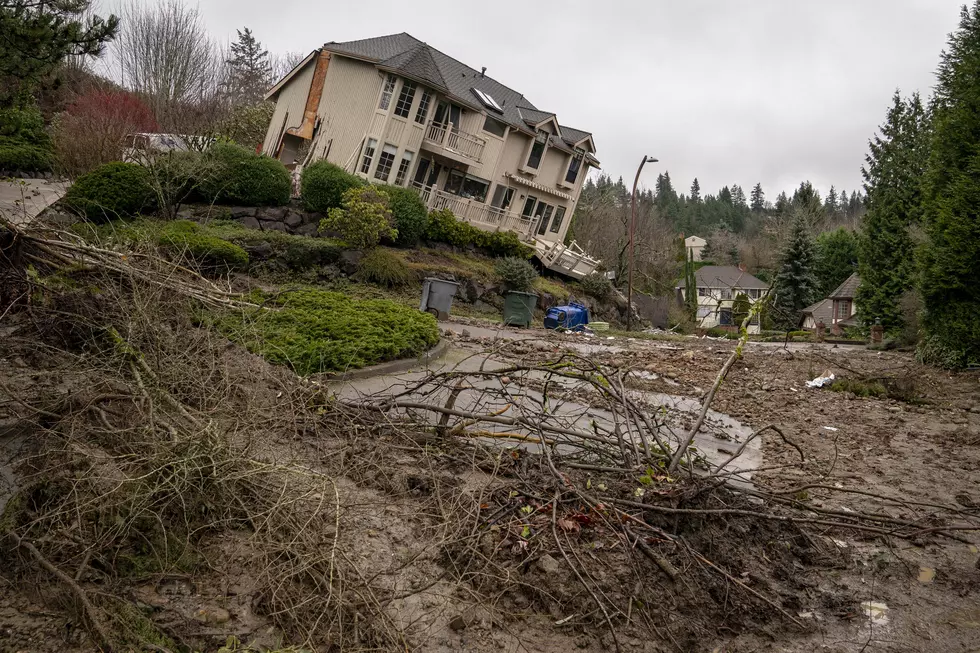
[718, 288]
[837, 311]
[395, 110]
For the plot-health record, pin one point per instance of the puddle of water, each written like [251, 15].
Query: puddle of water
[926, 574]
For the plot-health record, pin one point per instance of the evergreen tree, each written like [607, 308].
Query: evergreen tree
[951, 254]
[690, 286]
[807, 198]
[738, 197]
[250, 73]
[830, 204]
[836, 259]
[795, 285]
[782, 203]
[842, 204]
[894, 167]
[758, 199]
[695, 191]
[725, 196]
[37, 36]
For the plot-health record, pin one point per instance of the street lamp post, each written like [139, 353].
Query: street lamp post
[629, 282]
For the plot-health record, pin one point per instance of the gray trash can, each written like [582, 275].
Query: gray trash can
[437, 297]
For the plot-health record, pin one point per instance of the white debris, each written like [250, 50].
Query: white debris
[830, 428]
[876, 612]
[821, 381]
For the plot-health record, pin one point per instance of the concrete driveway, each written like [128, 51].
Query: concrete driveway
[21, 200]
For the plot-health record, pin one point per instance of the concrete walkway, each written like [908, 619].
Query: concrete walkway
[21, 200]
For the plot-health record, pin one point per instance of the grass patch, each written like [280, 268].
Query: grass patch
[208, 252]
[860, 388]
[559, 291]
[385, 268]
[315, 331]
[298, 252]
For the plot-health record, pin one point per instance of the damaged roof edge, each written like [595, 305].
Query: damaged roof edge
[292, 73]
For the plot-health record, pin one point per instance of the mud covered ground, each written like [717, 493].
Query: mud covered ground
[432, 546]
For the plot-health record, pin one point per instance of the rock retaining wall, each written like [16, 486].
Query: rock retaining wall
[291, 219]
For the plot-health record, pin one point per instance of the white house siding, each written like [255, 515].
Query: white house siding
[290, 106]
[350, 96]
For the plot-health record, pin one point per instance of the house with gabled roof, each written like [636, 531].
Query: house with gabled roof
[395, 110]
[718, 287]
[837, 311]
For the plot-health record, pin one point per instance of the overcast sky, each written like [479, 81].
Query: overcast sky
[730, 91]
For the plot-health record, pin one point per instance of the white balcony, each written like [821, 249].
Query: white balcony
[569, 260]
[450, 141]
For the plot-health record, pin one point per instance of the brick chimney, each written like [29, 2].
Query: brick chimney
[741, 267]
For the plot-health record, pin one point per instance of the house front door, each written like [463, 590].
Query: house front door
[421, 171]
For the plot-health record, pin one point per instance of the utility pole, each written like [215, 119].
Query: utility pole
[629, 283]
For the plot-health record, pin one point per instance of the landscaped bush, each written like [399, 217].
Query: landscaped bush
[444, 227]
[205, 250]
[176, 177]
[411, 216]
[323, 186]
[24, 144]
[596, 285]
[860, 388]
[516, 274]
[113, 190]
[318, 331]
[365, 219]
[384, 268]
[242, 177]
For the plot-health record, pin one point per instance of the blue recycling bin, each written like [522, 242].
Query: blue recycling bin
[573, 317]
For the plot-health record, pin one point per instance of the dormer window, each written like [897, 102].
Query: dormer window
[387, 92]
[574, 166]
[537, 150]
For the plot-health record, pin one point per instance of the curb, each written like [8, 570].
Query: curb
[393, 367]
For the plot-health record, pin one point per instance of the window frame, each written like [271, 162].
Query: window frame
[422, 113]
[406, 162]
[503, 197]
[578, 157]
[531, 201]
[387, 91]
[538, 141]
[558, 219]
[386, 161]
[367, 155]
[406, 99]
[494, 121]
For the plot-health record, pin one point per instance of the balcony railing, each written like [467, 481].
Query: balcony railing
[455, 140]
[481, 215]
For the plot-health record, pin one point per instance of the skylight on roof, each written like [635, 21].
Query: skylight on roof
[488, 100]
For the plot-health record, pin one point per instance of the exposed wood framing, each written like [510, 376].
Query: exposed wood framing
[305, 130]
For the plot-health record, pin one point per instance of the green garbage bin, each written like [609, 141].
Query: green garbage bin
[519, 308]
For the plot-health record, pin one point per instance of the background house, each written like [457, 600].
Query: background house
[395, 110]
[695, 245]
[718, 287]
[837, 311]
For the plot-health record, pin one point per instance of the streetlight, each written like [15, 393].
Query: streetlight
[629, 283]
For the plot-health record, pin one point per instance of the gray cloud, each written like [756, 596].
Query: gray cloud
[735, 91]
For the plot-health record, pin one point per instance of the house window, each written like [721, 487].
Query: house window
[502, 197]
[703, 292]
[403, 167]
[726, 293]
[386, 93]
[843, 309]
[404, 105]
[423, 109]
[544, 213]
[537, 151]
[704, 311]
[529, 206]
[573, 169]
[495, 127]
[725, 317]
[559, 216]
[467, 186]
[385, 162]
[369, 148]
[755, 293]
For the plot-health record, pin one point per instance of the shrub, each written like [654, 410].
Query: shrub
[860, 388]
[175, 177]
[113, 190]
[239, 176]
[740, 309]
[411, 216]
[444, 227]
[934, 351]
[516, 274]
[384, 268]
[318, 331]
[596, 285]
[24, 144]
[247, 124]
[93, 129]
[206, 251]
[364, 220]
[323, 186]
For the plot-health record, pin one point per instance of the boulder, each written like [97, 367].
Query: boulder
[293, 219]
[272, 225]
[272, 213]
[250, 223]
[545, 300]
[350, 261]
[306, 230]
[238, 212]
[260, 251]
[473, 290]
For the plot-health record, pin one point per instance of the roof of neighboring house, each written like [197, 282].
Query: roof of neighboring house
[727, 276]
[405, 54]
[822, 311]
[848, 289]
[695, 240]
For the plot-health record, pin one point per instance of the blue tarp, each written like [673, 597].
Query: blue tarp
[573, 317]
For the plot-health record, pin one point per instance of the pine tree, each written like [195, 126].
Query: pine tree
[807, 198]
[842, 205]
[830, 204]
[894, 167]
[782, 203]
[951, 255]
[836, 259]
[695, 191]
[758, 199]
[250, 72]
[690, 286]
[795, 285]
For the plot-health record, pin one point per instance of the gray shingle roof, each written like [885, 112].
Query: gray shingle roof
[727, 276]
[420, 61]
[848, 289]
[822, 311]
